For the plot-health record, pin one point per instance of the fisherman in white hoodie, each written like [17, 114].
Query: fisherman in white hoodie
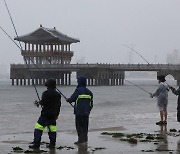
[162, 99]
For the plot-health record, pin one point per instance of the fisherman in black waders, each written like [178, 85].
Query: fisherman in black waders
[177, 92]
[50, 103]
[83, 99]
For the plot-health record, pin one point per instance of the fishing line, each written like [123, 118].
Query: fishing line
[45, 74]
[20, 47]
[138, 54]
[138, 86]
[10, 37]
[33, 62]
[12, 21]
[141, 57]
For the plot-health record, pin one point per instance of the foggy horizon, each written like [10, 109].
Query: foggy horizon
[150, 27]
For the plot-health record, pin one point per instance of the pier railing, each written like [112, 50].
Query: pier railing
[123, 67]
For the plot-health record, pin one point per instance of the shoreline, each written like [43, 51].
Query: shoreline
[99, 143]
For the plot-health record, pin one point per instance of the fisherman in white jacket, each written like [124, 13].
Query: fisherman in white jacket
[162, 99]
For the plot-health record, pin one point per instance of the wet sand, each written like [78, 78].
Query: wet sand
[99, 143]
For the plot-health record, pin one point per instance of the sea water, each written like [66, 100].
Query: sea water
[114, 106]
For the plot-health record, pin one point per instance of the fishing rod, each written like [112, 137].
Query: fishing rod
[145, 60]
[12, 21]
[138, 86]
[20, 47]
[137, 54]
[34, 64]
[141, 57]
[10, 37]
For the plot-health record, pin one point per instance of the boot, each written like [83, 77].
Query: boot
[34, 146]
[51, 145]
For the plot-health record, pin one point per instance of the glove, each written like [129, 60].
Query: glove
[36, 103]
[151, 95]
[172, 88]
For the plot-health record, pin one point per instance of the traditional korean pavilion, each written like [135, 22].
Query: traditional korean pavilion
[43, 49]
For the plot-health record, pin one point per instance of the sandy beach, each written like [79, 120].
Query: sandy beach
[99, 143]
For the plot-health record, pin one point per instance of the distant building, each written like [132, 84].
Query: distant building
[174, 57]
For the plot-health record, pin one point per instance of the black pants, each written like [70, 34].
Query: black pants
[42, 123]
[82, 123]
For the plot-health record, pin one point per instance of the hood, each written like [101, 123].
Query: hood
[50, 83]
[81, 80]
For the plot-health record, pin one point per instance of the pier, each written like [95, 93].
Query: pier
[47, 54]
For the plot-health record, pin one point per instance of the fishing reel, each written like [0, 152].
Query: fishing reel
[36, 103]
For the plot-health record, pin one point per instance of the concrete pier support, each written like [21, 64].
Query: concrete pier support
[24, 82]
[64, 80]
[29, 82]
[103, 77]
[95, 77]
[69, 79]
[17, 82]
[12, 82]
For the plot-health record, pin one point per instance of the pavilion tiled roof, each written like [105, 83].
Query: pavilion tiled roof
[46, 35]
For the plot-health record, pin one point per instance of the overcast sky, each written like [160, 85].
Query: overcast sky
[151, 27]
